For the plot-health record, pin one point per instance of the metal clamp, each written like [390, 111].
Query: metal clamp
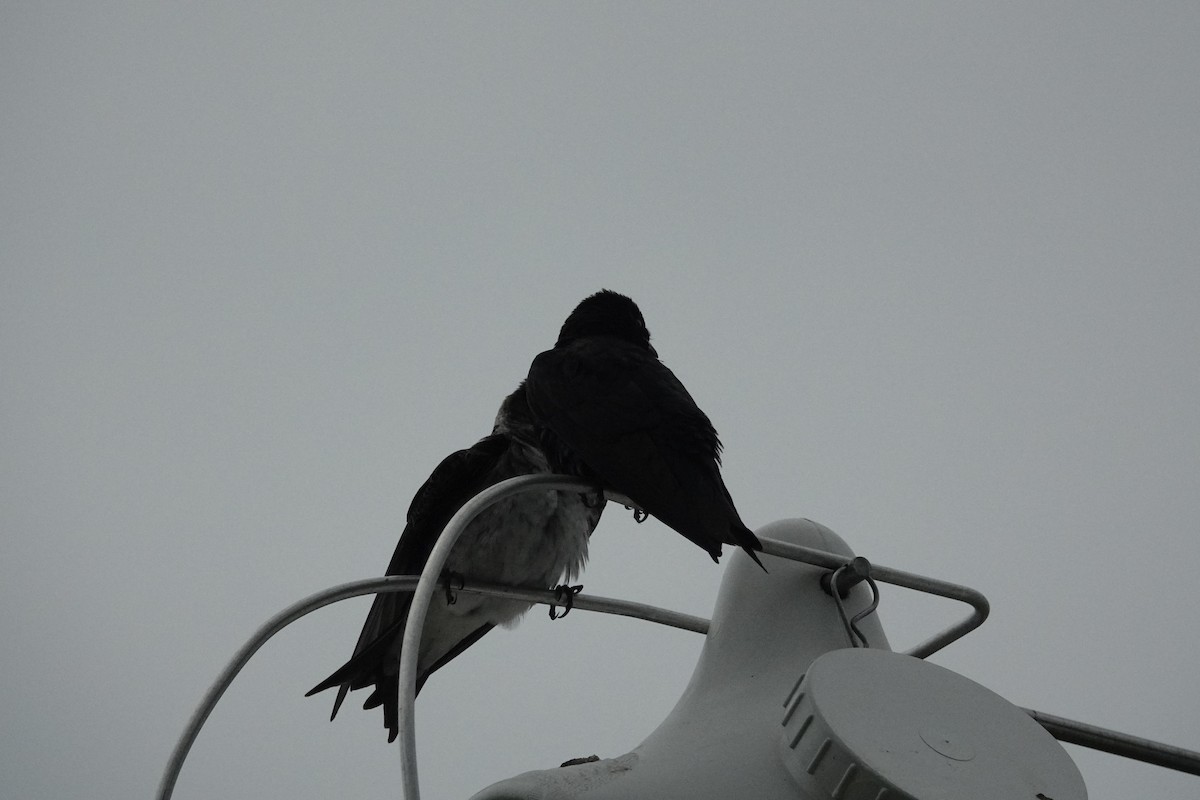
[838, 584]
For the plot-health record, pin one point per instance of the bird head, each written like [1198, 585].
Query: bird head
[606, 313]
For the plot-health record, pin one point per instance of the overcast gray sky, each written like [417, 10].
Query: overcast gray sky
[930, 268]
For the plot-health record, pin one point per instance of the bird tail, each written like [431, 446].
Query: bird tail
[364, 668]
[377, 664]
[744, 538]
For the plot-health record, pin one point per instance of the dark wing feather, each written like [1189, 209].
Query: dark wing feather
[624, 415]
[459, 477]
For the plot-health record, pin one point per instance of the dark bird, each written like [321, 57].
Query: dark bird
[533, 539]
[609, 411]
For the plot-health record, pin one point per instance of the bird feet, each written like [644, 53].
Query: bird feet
[566, 596]
[452, 577]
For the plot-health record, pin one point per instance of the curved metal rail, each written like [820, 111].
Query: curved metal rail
[423, 595]
[419, 608]
[394, 583]
[260, 637]
[423, 587]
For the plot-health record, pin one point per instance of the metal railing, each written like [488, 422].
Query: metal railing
[909, 580]
[424, 586]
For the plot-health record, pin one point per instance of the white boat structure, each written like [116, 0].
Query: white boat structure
[797, 694]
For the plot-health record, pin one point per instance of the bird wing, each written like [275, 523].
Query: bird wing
[622, 413]
[459, 477]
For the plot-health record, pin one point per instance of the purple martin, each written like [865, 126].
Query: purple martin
[532, 539]
[609, 411]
